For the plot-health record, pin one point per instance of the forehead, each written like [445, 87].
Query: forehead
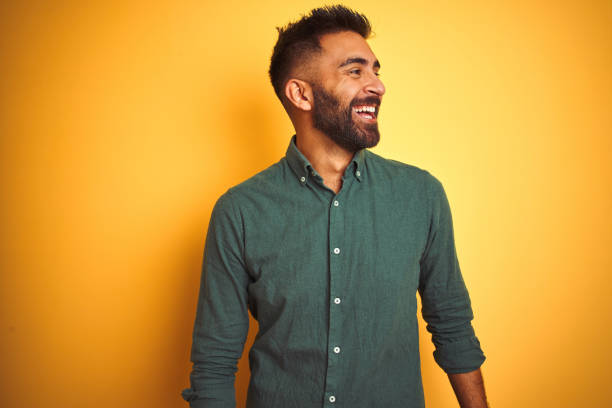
[337, 47]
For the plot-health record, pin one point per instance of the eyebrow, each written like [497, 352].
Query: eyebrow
[358, 60]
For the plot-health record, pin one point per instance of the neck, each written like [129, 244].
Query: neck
[325, 156]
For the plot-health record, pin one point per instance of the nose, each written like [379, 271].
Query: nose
[375, 86]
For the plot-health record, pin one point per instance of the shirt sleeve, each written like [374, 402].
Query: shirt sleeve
[444, 296]
[222, 320]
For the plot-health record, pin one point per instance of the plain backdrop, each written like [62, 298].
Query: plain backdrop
[122, 122]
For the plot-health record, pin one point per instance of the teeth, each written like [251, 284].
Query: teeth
[371, 109]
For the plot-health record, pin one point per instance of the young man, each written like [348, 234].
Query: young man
[328, 247]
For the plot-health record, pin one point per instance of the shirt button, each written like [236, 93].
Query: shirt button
[337, 350]
[336, 203]
[332, 399]
[337, 301]
[302, 179]
[358, 173]
[336, 251]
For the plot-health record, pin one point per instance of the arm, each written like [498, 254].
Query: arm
[446, 303]
[469, 389]
[222, 320]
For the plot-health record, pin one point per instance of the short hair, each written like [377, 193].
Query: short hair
[299, 40]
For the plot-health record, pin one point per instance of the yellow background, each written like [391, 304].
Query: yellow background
[122, 122]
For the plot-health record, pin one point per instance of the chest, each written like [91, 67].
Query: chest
[366, 243]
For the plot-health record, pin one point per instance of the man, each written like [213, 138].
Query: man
[328, 247]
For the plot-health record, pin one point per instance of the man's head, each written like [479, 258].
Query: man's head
[326, 76]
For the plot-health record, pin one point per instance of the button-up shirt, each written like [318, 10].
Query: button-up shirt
[332, 280]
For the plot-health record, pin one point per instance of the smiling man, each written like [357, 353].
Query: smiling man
[328, 248]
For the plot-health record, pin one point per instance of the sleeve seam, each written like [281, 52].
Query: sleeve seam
[237, 215]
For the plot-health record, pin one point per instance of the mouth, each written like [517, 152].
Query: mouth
[367, 113]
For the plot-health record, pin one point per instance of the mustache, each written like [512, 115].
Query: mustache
[370, 100]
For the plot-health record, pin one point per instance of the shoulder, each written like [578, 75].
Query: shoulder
[264, 182]
[413, 182]
[261, 180]
[380, 166]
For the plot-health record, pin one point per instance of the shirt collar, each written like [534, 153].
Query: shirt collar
[304, 170]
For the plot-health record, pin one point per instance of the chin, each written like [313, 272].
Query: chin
[370, 140]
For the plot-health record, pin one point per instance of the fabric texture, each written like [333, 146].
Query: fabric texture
[332, 280]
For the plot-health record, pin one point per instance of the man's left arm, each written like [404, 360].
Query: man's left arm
[469, 389]
[446, 304]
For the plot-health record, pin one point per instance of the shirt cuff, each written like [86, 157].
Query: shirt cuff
[460, 356]
[199, 400]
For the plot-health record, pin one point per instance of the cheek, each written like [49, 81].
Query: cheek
[346, 89]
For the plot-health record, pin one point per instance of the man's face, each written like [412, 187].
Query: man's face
[348, 93]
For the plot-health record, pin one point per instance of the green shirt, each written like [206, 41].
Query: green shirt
[332, 281]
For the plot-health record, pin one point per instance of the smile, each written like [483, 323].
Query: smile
[366, 112]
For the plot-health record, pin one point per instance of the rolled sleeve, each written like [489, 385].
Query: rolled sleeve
[446, 303]
[222, 320]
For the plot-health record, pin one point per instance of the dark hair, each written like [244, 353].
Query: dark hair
[300, 39]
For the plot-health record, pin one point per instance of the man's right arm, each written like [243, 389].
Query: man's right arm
[222, 320]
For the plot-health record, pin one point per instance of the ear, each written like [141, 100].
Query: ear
[299, 94]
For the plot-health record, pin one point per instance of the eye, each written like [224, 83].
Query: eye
[355, 71]
[377, 74]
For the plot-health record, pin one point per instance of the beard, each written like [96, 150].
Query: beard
[337, 122]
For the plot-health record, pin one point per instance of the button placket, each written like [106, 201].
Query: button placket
[336, 281]
[335, 272]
